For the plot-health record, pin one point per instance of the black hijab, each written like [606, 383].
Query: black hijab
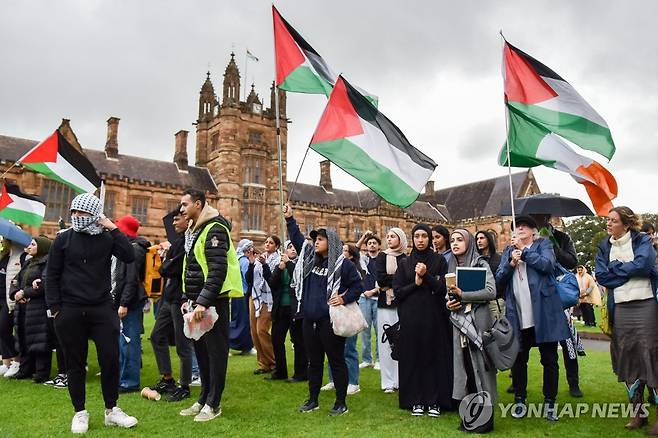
[426, 256]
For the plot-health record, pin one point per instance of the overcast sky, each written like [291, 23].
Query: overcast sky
[435, 66]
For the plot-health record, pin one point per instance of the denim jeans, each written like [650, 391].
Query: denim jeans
[369, 309]
[351, 360]
[130, 352]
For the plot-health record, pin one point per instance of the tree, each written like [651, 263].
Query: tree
[586, 233]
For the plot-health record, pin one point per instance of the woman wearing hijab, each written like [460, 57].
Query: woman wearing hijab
[387, 313]
[35, 339]
[321, 279]
[425, 330]
[470, 317]
[240, 334]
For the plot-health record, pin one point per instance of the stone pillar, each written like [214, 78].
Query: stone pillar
[180, 154]
[325, 175]
[112, 144]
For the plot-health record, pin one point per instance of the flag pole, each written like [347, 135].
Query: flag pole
[292, 189]
[7, 171]
[102, 197]
[278, 148]
[509, 161]
[244, 87]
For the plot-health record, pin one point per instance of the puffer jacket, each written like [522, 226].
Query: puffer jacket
[129, 290]
[33, 314]
[206, 291]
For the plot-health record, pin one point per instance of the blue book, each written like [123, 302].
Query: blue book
[471, 279]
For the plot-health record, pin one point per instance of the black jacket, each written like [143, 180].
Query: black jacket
[276, 284]
[35, 332]
[129, 290]
[385, 280]
[565, 252]
[78, 271]
[172, 271]
[206, 292]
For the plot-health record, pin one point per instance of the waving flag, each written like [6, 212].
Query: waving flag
[20, 207]
[57, 159]
[359, 139]
[543, 110]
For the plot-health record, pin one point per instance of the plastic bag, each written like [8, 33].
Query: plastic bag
[195, 329]
[347, 319]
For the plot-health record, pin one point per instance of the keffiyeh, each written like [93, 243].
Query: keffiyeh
[88, 203]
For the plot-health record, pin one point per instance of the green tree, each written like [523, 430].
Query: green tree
[586, 233]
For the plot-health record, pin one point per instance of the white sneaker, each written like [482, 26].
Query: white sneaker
[363, 365]
[389, 390]
[353, 389]
[377, 366]
[207, 413]
[117, 417]
[196, 381]
[13, 369]
[192, 410]
[3, 369]
[80, 423]
[328, 387]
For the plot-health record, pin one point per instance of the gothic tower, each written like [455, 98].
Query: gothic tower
[208, 109]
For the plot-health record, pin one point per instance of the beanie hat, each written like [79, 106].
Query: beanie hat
[128, 225]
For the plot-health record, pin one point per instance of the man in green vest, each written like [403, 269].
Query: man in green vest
[211, 276]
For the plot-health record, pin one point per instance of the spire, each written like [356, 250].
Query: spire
[207, 100]
[253, 97]
[231, 95]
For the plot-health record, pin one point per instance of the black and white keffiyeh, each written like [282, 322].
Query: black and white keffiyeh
[87, 203]
[261, 292]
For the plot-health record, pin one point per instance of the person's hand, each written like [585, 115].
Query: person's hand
[369, 233]
[454, 305]
[36, 283]
[199, 312]
[106, 223]
[183, 308]
[516, 257]
[284, 260]
[123, 311]
[287, 210]
[455, 290]
[421, 269]
[418, 280]
[261, 258]
[371, 292]
[336, 300]
[19, 295]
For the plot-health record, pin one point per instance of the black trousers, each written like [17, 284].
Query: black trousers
[320, 339]
[281, 325]
[212, 355]
[570, 366]
[59, 351]
[170, 318]
[301, 358]
[38, 364]
[548, 358]
[588, 314]
[7, 340]
[74, 327]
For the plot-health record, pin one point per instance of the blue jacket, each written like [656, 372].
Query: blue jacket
[550, 322]
[614, 274]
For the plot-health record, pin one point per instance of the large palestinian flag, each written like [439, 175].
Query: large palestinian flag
[57, 159]
[359, 139]
[20, 207]
[543, 110]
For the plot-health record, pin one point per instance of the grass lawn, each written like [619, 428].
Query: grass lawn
[253, 407]
[581, 327]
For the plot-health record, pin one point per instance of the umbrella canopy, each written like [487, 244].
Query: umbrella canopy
[11, 232]
[546, 203]
[168, 222]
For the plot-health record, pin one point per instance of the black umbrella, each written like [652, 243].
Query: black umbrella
[547, 203]
[168, 222]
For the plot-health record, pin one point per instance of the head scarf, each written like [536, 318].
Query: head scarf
[418, 256]
[470, 257]
[88, 203]
[244, 245]
[43, 246]
[393, 253]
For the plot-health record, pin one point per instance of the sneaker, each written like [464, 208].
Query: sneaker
[389, 391]
[178, 395]
[61, 382]
[3, 369]
[338, 410]
[52, 381]
[165, 386]
[364, 364]
[550, 412]
[192, 410]
[207, 413]
[117, 417]
[417, 411]
[353, 389]
[434, 411]
[519, 410]
[196, 381]
[13, 369]
[376, 366]
[328, 387]
[309, 406]
[575, 391]
[80, 422]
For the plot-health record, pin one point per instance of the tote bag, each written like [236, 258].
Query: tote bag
[347, 319]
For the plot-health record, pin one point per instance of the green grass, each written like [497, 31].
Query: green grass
[253, 407]
[584, 329]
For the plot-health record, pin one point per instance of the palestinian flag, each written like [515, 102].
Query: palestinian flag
[359, 139]
[20, 207]
[57, 159]
[299, 68]
[543, 110]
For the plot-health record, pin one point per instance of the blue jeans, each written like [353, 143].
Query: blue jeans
[130, 352]
[351, 360]
[369, 309]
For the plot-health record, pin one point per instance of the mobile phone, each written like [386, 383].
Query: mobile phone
[453, 297]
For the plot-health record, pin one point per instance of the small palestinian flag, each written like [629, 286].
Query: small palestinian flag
[57, 159]
[359, 139]
[20, 207]
[543, 110]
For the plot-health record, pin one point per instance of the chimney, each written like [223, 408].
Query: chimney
[325, 175]
[180, 154]
[111, 145]
[429, 188]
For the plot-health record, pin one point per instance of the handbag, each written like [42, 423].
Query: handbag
[500, 343]
[347, 319]
[567, 287]
[392, 336]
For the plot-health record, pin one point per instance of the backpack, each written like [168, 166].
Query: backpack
[153, 282]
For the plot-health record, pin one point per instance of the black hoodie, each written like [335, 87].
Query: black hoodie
[129, 290]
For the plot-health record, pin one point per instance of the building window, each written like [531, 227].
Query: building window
[388, 225]
[171, 205]
[253, 170]
[255, 137]
[110, 202]
[140, 208]
[309, 226]
[58, 199]
[358, 230]
[252, 216]
[214, 141]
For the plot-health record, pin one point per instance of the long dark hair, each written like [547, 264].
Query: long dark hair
[356, 258]
[490, 239]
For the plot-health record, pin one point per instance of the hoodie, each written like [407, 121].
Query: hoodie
[128, 290]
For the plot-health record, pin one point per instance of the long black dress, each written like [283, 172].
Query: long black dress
[425, 364]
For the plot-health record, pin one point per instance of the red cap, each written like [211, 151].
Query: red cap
[128, 225]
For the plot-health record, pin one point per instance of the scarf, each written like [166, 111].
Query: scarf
[244, 245]
[392, 254]
[88, 203]
[190, 237]
[261, 292]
